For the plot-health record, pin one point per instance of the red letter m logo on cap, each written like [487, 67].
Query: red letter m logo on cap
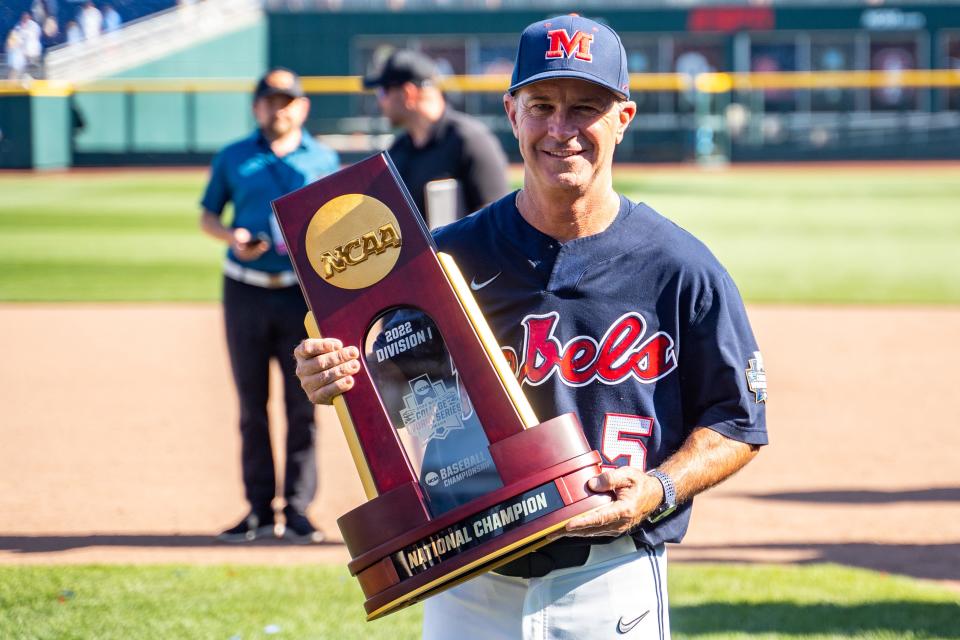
[562, 45]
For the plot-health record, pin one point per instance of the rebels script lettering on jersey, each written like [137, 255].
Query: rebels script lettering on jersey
[623, 352]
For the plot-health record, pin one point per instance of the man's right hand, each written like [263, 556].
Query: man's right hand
[324, 367]
[246, 247]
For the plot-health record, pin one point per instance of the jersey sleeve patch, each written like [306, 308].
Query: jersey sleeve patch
[757, 378]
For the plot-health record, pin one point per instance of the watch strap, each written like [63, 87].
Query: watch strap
[669, 503]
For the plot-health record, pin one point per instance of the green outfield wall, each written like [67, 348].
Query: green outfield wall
[35, 132]
[173, 126]
[16, 150]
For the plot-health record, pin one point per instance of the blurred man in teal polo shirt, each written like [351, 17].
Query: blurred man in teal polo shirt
[263, 307]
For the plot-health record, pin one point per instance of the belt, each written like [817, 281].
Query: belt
[539, 563]
[264, 279]
[562, 554]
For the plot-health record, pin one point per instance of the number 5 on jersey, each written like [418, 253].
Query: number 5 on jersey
[623, 438]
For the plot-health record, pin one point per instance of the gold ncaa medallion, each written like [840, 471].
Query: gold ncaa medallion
[353, 241]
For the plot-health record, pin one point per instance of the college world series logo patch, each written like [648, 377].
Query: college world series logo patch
[757, 377]
[432, 410]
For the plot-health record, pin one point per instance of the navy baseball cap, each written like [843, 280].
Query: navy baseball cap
[571, 47]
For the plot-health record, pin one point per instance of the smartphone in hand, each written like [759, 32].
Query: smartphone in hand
[259, 239]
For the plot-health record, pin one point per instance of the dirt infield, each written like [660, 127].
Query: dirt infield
[119, 444]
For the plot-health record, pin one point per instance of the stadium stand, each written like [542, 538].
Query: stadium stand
[150, 39]
[67, 10]
[10, 11]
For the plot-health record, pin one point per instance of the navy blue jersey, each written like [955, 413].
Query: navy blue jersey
[638, 330]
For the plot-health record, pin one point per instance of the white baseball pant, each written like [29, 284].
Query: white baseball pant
[620, 592]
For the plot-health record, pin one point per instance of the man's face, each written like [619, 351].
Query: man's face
[278, 115]
[568, 130]
[393, 103]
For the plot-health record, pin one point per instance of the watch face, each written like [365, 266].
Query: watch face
[662, 512]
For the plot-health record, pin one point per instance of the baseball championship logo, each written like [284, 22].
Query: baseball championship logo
[757, 377]
[432, 410]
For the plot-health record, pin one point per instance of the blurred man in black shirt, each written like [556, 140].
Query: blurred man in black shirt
[438, 142]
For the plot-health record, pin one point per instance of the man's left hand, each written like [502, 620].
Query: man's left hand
[637, 494]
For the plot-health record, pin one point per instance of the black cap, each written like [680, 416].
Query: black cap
[279, 81]
[402, 66]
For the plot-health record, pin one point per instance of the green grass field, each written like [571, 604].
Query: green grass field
[93, 237]
[815, 235]
[708, 602]
[850, 235]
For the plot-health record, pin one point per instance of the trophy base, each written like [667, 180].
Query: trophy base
[402, 556]
[392, 600]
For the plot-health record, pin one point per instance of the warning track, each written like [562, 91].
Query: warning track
[120, 445]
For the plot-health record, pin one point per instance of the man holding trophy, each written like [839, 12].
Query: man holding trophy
[604, 308]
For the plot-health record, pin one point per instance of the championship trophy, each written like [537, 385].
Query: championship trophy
[459, 474]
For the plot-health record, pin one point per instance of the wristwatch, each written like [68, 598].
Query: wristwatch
[669, 504]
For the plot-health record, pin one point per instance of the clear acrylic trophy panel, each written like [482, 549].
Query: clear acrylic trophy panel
[420, 388]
